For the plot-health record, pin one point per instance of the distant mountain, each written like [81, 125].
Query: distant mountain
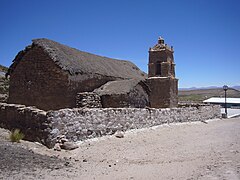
[203, 88]
[187, 89]
[200, 94]
[236, 87]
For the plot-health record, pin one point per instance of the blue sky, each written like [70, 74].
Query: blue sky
[205, 33]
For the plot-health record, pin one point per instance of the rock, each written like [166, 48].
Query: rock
[63, 140]
[61, 136]
[119, 134]
[55, 132]
[57, 147]
[69, 146]
[204, 121]
[67, 163]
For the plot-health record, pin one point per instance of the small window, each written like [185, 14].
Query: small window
[158, 69]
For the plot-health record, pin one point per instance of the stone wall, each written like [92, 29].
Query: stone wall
[78, 124]
[83, 123]
[88, 100]
[31, 121]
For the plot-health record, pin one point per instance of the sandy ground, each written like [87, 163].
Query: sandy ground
[177, 151]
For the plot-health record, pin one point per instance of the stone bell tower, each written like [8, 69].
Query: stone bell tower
[161, 76]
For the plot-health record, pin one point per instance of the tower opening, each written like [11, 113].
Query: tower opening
[158, 69]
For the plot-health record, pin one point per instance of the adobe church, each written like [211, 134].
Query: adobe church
[51, 76]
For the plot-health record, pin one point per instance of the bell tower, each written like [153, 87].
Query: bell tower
[161, 62]
[161, 76]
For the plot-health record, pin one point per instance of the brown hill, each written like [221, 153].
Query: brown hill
[202, 94]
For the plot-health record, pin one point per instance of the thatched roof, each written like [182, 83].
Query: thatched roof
[78, 62]
[120, 87]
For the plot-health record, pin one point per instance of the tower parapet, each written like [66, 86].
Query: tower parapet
[161, 46]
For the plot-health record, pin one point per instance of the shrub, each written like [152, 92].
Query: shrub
[16, 136]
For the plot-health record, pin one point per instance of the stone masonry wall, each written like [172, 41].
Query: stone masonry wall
[78, 124]
[88, 99]
[83, 123]
[31, 121]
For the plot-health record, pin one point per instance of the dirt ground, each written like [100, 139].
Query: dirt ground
[186, 151]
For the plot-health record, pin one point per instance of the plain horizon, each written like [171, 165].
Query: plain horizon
[204, 34]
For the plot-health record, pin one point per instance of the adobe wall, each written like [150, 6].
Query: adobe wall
[164, 92]
[159, 56]
[83, 123]
[38, 81]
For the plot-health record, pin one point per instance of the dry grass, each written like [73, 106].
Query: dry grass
[16, 136]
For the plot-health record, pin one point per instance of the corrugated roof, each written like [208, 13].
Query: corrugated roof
[222, 100]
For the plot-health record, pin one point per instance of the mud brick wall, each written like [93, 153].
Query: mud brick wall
[164, 92]
[160, 57]
[38, 81]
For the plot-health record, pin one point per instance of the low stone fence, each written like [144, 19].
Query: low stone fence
[83, 123]
[31, 121]
[79, 124]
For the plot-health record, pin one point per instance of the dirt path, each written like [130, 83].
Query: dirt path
[176, 151]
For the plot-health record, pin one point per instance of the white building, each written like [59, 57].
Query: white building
[231, 102]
